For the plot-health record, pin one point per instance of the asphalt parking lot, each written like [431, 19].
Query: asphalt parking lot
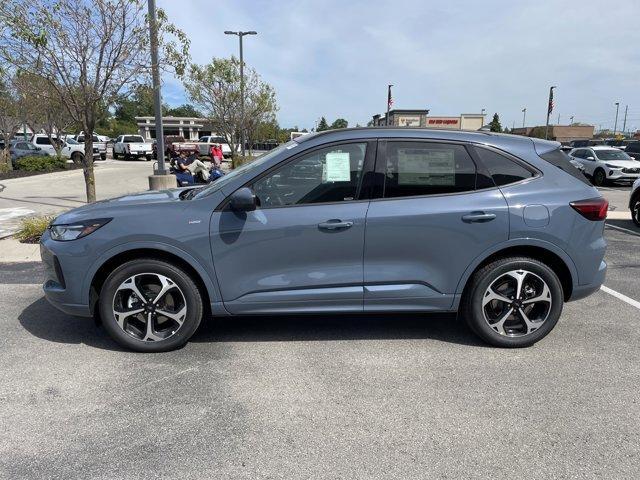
[324, 397]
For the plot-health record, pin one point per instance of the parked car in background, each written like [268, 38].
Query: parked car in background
[101, 138]
[634, 202]
[633, 150]
[204, 145]
[19, 149]
[132, 146]
[500, 228]
[75, 150]
[174, 145]
[43, 141]
[606, 164]
[97, 143]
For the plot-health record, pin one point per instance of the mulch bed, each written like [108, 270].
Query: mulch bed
[22, 173]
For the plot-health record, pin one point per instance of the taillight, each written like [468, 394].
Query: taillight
[593, 209]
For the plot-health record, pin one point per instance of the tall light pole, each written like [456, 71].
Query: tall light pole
[549, 110]
[615, 125]
[157, 98]
[524, 115]
[571, 119]
[624, 124]
[240, 35]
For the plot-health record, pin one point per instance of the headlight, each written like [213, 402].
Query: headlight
[612, 166]
[64, 233]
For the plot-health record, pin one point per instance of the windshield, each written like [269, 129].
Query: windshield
[132, 139]
[611, 155]
[247, 167]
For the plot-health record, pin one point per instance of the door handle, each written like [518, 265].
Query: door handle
[478, 217]
[335, 225]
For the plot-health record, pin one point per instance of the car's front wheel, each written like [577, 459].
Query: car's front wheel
[149, 305]
[599, 177]
[513, 302]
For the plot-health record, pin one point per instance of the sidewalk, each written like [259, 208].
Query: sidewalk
[12, 251]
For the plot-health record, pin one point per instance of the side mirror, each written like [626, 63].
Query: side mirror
[590, 158]
[243, 200]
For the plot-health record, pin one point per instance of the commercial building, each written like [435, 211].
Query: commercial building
[560, 133]
[191, 128]
[422, 118]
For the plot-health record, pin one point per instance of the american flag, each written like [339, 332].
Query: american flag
[550, 101]
[389, 99]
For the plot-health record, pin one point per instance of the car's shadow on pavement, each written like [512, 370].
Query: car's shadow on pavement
[44, 321]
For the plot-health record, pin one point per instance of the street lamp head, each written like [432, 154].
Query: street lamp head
[617, 103]
[249, 33]
[229, 32]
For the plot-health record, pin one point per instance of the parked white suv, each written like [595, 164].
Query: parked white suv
[101, 146]
[132, 146]
[75, 150]
[204, 145]
[606, 164]
[43, 142]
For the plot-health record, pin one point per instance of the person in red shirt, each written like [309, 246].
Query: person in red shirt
[216, 154]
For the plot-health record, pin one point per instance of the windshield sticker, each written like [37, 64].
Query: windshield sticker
[337, 167]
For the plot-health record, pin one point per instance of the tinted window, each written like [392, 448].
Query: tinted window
[21, 146]
[330, 174]
[633, 147]
[132, 139]
[561, 160]
[417, 168]
[43, 141]
[578, 153]
[503, 170]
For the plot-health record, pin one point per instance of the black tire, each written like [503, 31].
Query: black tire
[599, 177]
[77, 157]
[147, 158]
[126, 157]
[635, 210]
[186, 285]
[103, 156]
[472, 310]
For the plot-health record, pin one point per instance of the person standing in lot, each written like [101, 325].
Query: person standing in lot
[216, 154]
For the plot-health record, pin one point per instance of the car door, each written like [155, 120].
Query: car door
[433, 213]
[301, 249]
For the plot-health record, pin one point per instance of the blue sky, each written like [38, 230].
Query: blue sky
[335, 58]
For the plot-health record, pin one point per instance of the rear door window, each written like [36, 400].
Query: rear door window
[422, 168]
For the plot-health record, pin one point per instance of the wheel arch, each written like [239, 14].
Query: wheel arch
[635, 195]
[106, 265]
[550, 255]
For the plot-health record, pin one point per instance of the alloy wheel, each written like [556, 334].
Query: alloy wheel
[636, 212]
[149, 307]
[517, 303]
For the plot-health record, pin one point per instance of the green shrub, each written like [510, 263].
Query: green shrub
[41, 164]
[31, 229]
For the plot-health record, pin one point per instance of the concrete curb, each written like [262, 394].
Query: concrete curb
[617, 215]
[12, 251]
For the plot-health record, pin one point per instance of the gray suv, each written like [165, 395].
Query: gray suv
[502, 229]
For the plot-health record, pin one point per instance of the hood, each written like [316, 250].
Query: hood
[623, 163]
[110, 207]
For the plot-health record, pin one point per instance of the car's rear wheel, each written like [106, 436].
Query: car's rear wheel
[149, 305]
[635, 210]
[513, 302]
[599, 177]
[77, 158]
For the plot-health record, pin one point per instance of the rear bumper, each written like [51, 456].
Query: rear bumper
[582, 291]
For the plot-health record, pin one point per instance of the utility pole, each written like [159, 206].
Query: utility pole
[161, 179]
[524, 115]
[389, 102]
[571, 119]
[615, 125]
[240, 35]
[549, 110]
[558, 119]
[624, 123]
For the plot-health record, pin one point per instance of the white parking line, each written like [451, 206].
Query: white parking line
[624, 298]
[623, 229]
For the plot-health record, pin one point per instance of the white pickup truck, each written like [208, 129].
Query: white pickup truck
[101, 146]
[132, 146]
[204, 145]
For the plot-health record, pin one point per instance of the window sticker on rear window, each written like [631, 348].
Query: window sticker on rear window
[337, 167]
[426, 167]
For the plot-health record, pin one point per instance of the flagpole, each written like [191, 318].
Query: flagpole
[549, 109]
[386, 119]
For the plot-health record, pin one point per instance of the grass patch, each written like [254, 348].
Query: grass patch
[31, 229]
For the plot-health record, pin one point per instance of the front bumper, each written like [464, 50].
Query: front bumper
[620, 175]
[582, 291]
[57, 291]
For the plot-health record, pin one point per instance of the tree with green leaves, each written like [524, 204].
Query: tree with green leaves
[322, 125]
[339, 123]
[215, 89]
[89, 52]
[185, 110]
[12, 112]
[494, 125]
